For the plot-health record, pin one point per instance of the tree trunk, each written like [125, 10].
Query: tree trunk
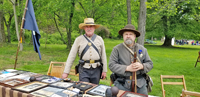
[2, 32]
[70, 25]
[8, 26]
[31, 39]
[9, 35]
[128, 2]
[46, 39]
[81, 31]
[142, 22]
[167, 41]
[58, 31]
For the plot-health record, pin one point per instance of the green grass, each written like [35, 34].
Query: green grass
[176, 60]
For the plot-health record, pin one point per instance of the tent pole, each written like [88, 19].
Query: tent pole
[21, 29]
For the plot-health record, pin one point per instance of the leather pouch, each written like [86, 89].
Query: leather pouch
[127, 84]
[76, 68]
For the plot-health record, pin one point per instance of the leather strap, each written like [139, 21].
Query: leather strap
[92, 44]
[87, 46]
[131, 51]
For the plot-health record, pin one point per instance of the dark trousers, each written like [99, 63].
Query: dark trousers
[91, 75]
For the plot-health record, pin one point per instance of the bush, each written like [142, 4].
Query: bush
[103, 32]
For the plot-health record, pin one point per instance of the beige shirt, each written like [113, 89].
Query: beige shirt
[91, 54]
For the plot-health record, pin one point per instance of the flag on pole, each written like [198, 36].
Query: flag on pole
[31, 24]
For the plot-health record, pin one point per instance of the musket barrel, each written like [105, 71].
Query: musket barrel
[134, 76]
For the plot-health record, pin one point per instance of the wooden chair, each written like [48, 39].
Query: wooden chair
[186, 93]
[56, 69]
[172, 83]
[198, 59]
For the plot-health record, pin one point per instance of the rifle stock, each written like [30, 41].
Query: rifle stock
[134, 77]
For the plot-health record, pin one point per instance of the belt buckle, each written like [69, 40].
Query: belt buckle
[91, 61]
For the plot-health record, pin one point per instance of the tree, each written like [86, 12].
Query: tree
[59, 29]
[128, 11]
[8, 23]
[142, 22]
[61, 12]
[2, 32]
[175, 15]
[67, 15]
[8, 15]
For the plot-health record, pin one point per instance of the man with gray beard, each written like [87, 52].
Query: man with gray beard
[121, 61]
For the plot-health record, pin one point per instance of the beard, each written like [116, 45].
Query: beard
[128, 41]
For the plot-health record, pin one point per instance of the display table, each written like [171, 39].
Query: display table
[8, 92]
[120, 93]
[16, 91]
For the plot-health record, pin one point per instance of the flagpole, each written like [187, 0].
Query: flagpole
[21, 29]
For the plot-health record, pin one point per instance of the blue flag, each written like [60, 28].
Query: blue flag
[31, 24]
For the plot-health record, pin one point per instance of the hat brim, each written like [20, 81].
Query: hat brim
[82, 25]
[134, 31]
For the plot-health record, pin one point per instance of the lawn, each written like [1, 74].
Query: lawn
[176, 60]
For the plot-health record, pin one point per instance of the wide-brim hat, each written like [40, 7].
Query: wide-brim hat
[129, 27]
[88, 21]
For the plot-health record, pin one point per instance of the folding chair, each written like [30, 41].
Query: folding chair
[56, 69]
[198, 59]
[186, 93]
[172, 83]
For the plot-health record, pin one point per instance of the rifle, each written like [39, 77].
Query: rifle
[134, 77]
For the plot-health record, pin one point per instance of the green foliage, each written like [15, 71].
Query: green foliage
[182, 19]
[109, 13]
[103, 32]
[183, 16]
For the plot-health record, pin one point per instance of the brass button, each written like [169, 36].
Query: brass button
[89, 44]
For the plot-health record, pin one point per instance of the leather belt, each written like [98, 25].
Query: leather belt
[92, 61]
[129, 77]
[125, 77]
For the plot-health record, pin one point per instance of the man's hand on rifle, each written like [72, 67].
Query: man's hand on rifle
[133, 67]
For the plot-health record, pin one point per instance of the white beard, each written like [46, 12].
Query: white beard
[128, 42]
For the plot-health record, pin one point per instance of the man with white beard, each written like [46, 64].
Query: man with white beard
[121, 61]
[91, 51]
